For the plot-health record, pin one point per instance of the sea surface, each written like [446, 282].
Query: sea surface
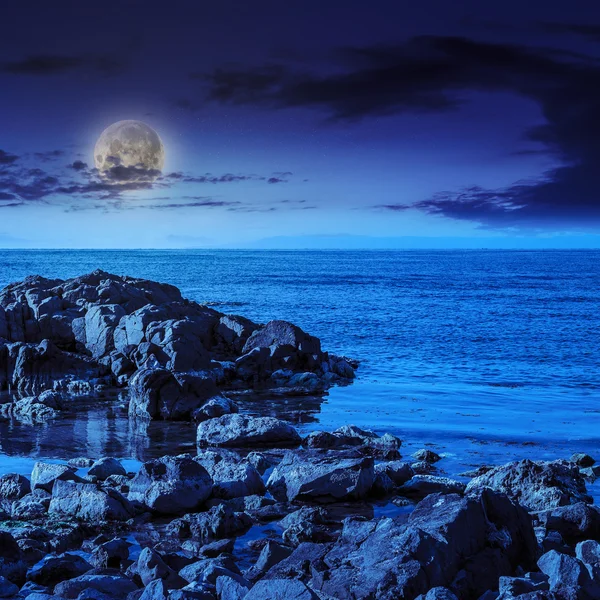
[485, 356]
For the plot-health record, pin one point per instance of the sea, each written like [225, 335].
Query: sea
[483, 356]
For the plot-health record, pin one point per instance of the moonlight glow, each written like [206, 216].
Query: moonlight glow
[129, 148]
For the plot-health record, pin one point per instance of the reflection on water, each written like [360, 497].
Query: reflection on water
[100, 426]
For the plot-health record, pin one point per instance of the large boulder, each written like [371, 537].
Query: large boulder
[321, 478]
[237, 431]
[106, 584]
[161, 394]
[232, 477]
[535, 485]
[462, 543]
[171, 485]
[45, 475]
[88, 502]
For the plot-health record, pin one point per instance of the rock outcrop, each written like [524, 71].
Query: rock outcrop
[102, 329]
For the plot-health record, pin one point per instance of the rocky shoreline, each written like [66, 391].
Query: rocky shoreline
[259, 511]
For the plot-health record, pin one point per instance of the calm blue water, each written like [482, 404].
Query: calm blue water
[488, 355]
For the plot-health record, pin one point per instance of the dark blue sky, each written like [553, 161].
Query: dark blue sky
[286, 120]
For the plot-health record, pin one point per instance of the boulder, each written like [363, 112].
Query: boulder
[281, 589]
[535, 485]
[105, 467]
[318, 478]
[574, 522]
[14, 486]
[462, 543]
[171, 485]
[161, 394]
[214, 408]
[242, 431]
[218, 523]
[55, 569]
[422, 485]
[45, 475]
[231, 478]
[568, 577]
[150, 566]
[110, 583]
[88, 502]
[111, 554]
[351, 436]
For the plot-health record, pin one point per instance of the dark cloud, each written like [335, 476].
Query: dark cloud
[49, 155]
[435, 73]
[48, 64]
[590, 31]
[6, 158]
[226, 178]
[79, 165]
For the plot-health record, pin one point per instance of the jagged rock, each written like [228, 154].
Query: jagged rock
[35, 409]
[422, 485]
[582, 460]
[281, 589]
[321, 478]
[161, 394]
[351, 436]
[58, 568]
[398, 472]
[105, 467]
[242, 431]
[535, 485]
[113, 584]
[426, 455]
[14, 486]
[229, 588]
[509, 587]
[481, 537]
[271, 554]
[45, 475]
[171, 485]
[31, 506]
[438, 593]
[111, 554]
[574, 522]
[150, 566]
[88, 502]
[233, 332]
[214, 408]
[220, 522]
[231, 477]
[568, 577]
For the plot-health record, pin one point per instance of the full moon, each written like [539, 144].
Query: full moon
[130, 144]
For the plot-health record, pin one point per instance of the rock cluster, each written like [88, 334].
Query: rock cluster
[175, 355]
[258, 511]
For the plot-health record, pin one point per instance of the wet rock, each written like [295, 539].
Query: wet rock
[574, 522]
[243, 431]
[568, 576]
[150, 566]
[260, 461]
[422, 485]
[14, 486]
[281, 589]
[31, 506]
[160, 394]
[318, 478]
[220, 522]
[108, 582]
[509, 587]
[214, 408]
[352, 436]
[536, 485]
[208, 570]
[80, 463]
[231, 478]
[171, 485]
[88, 502]
[111, 554]
[45, 475]
[232, 332]
[398, 472]
[229, 588]
[58, 568]
[271, 554]
[105, 467]
[481, 537]
[428, 456]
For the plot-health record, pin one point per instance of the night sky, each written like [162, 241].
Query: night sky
[299, 124]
